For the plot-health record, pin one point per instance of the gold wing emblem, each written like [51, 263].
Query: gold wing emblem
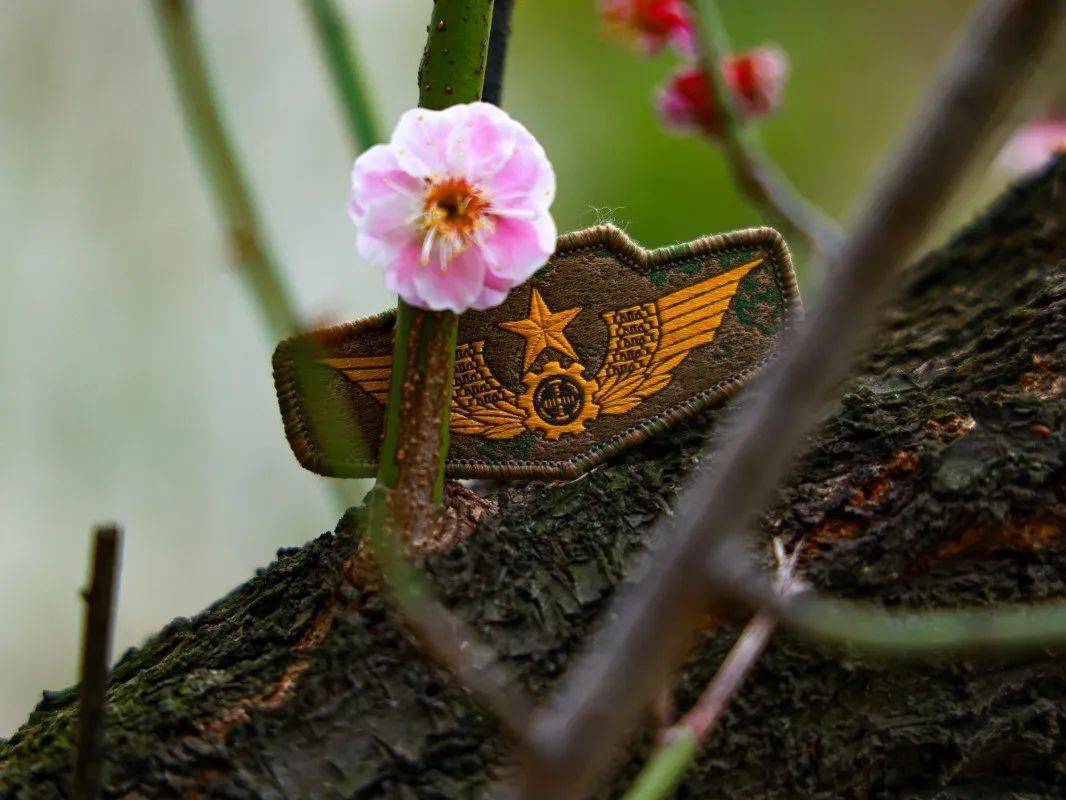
[649, 341]
[482, 406]
[371, 373]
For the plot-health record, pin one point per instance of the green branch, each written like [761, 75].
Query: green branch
[415, 443]
[232, 197]
[916, 633]
[453, 64]
[344, 70]
[452, 71]
[663, 773]
[229, 187]
[405, 509]
[753, 171]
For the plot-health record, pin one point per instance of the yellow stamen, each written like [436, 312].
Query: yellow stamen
[455, 215]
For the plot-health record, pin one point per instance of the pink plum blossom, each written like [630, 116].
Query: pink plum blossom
[652, 24]
[1032, 145]
[756, 79]
[454, 208]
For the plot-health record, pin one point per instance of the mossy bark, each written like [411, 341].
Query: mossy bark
[939, 479]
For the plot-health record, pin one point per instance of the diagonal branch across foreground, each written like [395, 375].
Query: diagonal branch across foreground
[647, 630]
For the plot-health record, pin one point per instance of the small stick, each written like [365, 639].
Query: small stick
[680, 743]
[250, 249]
[343, 64]
[499, 37]
[221, 165]
[715, 698]
[95, 659]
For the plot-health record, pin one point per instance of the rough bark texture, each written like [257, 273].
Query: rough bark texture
[939, 479]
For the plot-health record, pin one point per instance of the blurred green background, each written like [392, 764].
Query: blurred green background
[134, 376]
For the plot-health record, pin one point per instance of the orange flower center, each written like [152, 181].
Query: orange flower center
[453, 212]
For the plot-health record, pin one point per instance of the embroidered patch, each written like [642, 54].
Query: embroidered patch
[605, 346]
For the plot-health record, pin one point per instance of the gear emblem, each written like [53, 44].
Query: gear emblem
[558, 400]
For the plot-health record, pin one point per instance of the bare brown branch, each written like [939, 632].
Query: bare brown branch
[678, 744]
[703, 716]
[445, 637]
[646, 631]
[475, 665]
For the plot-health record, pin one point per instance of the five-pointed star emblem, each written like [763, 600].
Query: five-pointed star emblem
[543, 328]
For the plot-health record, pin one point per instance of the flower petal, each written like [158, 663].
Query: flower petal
[674, 110]
[683, 38]
[494, 291]
[1032, 146]
[420, 139]
[482, 141]
[383, 226]
[490, 296]
[519, 247]
[401, 267]
[527, 179]
[495, 169]
[757, 79]
[453, 287]
[376, 175]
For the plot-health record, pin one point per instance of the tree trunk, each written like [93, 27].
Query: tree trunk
[938, 480]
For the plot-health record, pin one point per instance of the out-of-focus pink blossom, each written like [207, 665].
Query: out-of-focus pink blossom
[454, 208]
[1032, 145]
[652, 24]
[756, 79]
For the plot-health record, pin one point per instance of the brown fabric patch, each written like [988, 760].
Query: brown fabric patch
[605, 346]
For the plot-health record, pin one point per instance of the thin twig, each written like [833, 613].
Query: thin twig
[97, 634]
[499, 38]
[248, 242]
[662, 774]
[442, 634]
[224, 174]
[681, 742]
[648, 628]
[474, 664]
[754, 172]
[996, 629]
[347, 78]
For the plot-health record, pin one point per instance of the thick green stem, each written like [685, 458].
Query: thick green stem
[453, 64]
[405, 511]
[752, 169]
[250, 251]
[344, 70]
[416, 427]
